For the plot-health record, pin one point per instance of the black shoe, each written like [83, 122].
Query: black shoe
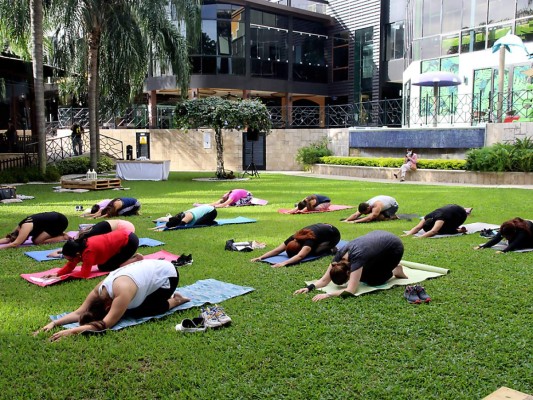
[396, 176]
[230, 246]
[183, 260]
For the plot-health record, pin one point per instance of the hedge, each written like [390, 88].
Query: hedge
[394, 162]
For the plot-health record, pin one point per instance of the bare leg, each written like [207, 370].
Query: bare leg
[44, 238]
[176, 300]
[136, 257]
[398, 272]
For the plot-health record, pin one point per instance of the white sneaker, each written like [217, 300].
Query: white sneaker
[221, 315]
[210, 318]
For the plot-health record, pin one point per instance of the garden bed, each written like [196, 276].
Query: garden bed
[428, 175]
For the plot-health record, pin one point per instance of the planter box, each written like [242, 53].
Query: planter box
[428, 175]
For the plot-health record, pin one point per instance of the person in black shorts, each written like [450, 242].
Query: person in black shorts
[373, 259]
[312, 240]
[446, 220]
[43, 228]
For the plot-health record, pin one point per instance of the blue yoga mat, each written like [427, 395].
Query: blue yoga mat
[219, 222]
[284, 257]
[42, 255]
[201, 292]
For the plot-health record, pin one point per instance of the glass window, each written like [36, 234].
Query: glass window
[524, 29]
[524, 8]
[476, 16]
[431, 18]
[268, 19]
[496, 32]
[451, 15]
[472, 40]
[394, 40]
[309, 51]
[340, 56]
[209, 11]
[396, 10]
[430, 47]
[209, 37]
[450, 44]
[501, 10]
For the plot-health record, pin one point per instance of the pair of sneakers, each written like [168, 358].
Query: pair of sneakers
[210, 317]
[183, 260]
[416, 294]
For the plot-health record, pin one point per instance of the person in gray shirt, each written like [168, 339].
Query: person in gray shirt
[373, 259]
[378, 208]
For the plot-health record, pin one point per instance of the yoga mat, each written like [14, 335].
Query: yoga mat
[201, 292]
[254, 202]
[37, 277]
[333, 207]
[219, 222]
[42, 255]
[284, 257]
[470, 228]
[28, 241]
[501, 246]
[415, 271]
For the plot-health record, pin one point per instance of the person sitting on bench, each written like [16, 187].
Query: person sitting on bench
[378, 208]
[446, 220]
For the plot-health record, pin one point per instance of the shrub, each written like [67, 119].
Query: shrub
[29, 174]
[502, 157]
[394, 162]
[80, 165]
[311, 154]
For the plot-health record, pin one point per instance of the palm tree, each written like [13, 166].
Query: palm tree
[17, 16]
[105, 45]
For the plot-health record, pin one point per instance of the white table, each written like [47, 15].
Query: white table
[143, 170]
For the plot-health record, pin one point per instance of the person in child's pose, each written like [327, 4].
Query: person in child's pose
[314, 202]
[518, 232]
[43, 228]
[445, 220]
[235, 197]
[142, 289]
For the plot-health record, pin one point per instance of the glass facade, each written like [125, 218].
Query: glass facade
[341, 50]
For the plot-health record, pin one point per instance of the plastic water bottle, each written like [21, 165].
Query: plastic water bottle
[93, 174]
[88, 175]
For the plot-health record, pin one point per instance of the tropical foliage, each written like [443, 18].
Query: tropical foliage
[309, 155]
[220, 114]
[502, 157]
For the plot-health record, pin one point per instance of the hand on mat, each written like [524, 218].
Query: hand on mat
[321, 296]
[49, 276]
[499, 252]
[55, 254]
[278, 265]
[477, 247]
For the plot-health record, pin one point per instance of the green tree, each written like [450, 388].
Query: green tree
[19, 16]
[106, 46]
[219, 114]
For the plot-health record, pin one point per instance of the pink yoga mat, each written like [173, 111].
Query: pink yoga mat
[333, 207]
[37, 277]
[28, 241]
[254, 202]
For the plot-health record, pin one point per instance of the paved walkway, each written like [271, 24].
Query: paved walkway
[351, 178]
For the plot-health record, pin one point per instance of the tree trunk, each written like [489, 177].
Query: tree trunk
[220, 153]
[39, 129]
[94, 44]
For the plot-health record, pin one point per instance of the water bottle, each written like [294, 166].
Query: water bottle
[88, 174]
[95, 175]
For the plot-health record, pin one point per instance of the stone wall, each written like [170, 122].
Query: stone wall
[428, 175]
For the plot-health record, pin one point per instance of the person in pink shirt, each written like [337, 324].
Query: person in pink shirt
[411, 158]
[235, 197]
[108, 251]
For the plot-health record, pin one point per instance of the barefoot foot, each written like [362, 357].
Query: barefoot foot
[177, 299]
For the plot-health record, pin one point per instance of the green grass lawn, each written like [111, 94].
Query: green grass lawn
[475, 336]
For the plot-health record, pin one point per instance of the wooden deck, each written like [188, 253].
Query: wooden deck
[91, 184]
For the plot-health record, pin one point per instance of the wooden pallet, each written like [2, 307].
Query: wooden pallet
[91, 184]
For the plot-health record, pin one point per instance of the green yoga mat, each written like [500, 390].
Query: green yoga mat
[415, 271]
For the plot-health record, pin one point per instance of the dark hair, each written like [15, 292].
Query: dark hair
[175, 220]
[340, 272]
[509, 228]
[73, 247]
[95, 209]
[295, 245]
[110, 210]
[363, 207]
[94, 313]
[13, 235]
[428, 224]
[302, 204]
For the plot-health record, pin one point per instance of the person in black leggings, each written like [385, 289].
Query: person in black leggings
[43, 228]
[518, 232]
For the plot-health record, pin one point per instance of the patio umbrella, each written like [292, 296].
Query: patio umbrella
[436, 79]
[508, 42]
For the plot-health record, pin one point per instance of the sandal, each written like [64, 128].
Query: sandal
[191, 325]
